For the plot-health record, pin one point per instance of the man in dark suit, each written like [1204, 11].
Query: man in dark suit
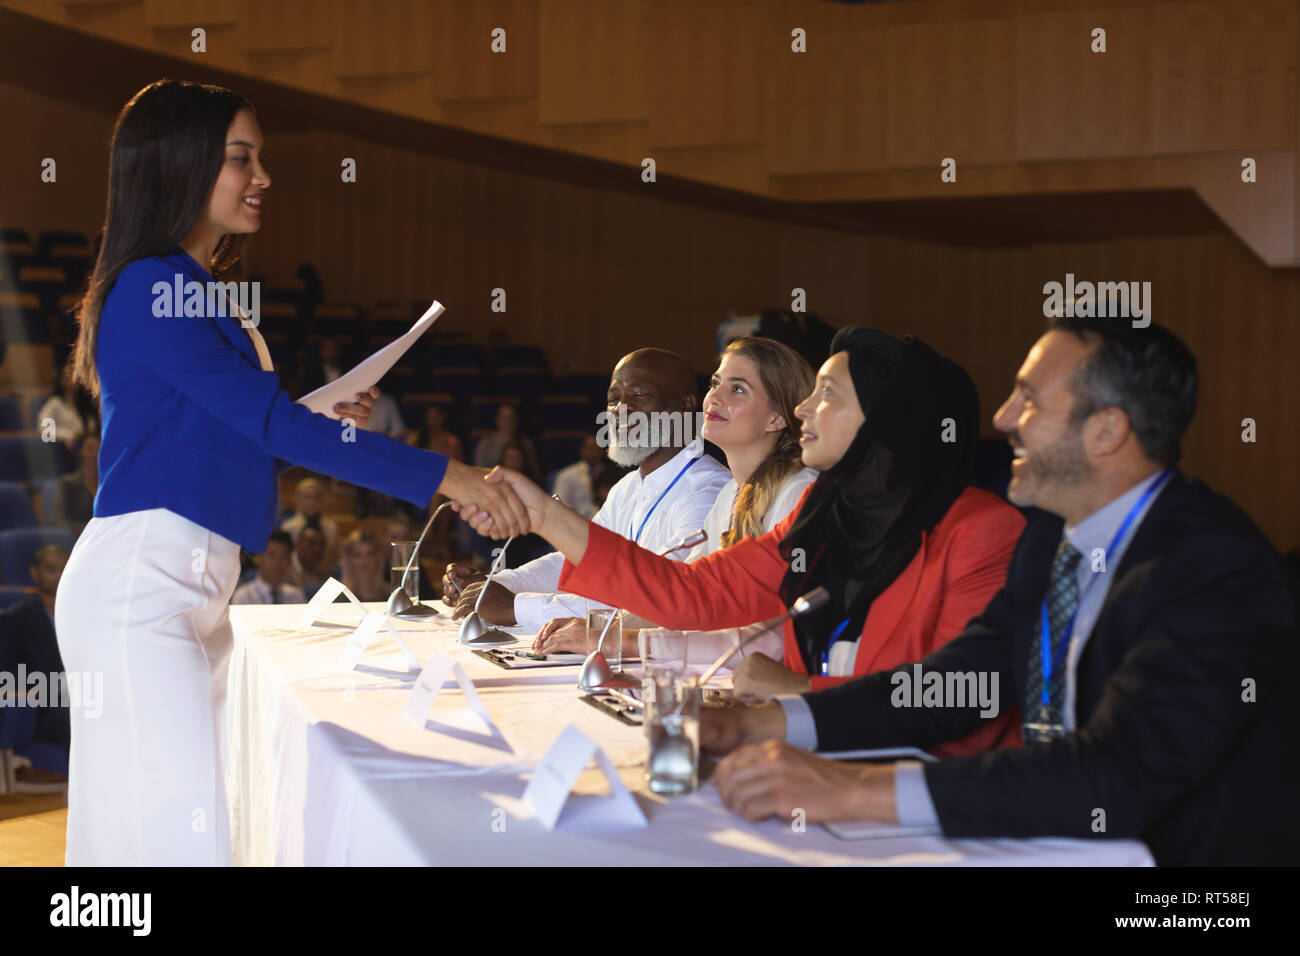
[1146, 629]
[27, 638]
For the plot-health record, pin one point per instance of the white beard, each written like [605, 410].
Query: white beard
[625, 456]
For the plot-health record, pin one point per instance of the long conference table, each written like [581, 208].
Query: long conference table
[326, 768]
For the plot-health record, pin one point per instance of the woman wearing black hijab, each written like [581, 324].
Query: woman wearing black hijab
[906, 551]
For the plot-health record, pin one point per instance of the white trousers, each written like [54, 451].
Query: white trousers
[143, 602]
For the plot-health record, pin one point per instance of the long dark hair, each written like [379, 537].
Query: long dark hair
[167, 151]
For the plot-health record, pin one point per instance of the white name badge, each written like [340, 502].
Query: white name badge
[331, 589]
[436, 670]
[559, 770]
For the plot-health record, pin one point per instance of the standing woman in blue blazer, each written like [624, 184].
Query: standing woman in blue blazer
[195, 429]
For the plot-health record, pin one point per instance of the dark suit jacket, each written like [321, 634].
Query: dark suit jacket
[1165, 744]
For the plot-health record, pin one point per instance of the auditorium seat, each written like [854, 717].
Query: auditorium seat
[29, 459]
[19, 546]
[11, 416]
[16, 509]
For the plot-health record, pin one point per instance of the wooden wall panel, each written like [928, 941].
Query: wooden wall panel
[592, 61]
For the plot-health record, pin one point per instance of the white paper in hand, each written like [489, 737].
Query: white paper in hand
[324, 597]
[559, 770]
[369, 371]
[436, 670]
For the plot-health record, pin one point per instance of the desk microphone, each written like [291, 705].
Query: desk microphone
[812, 601]
[596, 674]
[399, 602]
[472, 630]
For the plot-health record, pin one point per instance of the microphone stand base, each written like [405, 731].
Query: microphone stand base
[417, 611]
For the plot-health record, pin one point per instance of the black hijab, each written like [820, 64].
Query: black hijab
[862, 521]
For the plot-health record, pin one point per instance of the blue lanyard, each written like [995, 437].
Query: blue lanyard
[826, 654]
[661, 497]
[1050, 664]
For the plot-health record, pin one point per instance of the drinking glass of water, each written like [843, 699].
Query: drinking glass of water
[597, 618]
[402, 551]
[672, 721]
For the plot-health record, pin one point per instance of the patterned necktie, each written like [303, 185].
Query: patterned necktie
[1062, 602]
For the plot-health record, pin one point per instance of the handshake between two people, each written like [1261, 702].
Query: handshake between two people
[502, 503]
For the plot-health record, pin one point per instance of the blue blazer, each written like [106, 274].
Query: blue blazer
[192, 424]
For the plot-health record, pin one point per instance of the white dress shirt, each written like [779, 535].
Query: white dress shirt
[573, 485]
[704, 647]
[258, 591]
[687, 483]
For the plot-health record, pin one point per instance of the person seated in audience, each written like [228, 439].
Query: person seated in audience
[74, 493]
[489, 447]
[364, 567]
[308, 568]
[434, 435]
[749, 413]
[401, 529]
[309, 497]
[905, 550]
[662, 501]
[70, 411]
[1146, 624]
[327, 366]
[574, 483]
[527, 547]
[386, 417]
[27, 638]
[271, 586]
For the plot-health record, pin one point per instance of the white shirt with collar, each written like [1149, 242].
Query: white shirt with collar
[573, 485]
[257, 591]
[656, 510]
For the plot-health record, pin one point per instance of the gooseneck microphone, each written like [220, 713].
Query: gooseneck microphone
[812, 601]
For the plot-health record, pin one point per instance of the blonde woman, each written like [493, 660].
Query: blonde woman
[749, 414]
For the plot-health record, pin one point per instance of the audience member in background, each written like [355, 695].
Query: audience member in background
[365, 569]
[327, 366]
[308, 568]
[663, 500]
[905, 550]
[749, 413]
[400, 528]
[71, 410]
[271, 586]
[434, 435]
[575, 483]
[74, 493]
[27, 638]
[309, 498]
[527, 547]
[386, 417]
[490, 447]
[608, 476]
[1146, 624]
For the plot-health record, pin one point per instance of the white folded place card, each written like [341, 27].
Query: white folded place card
[559, 770]
[364, 633]
[331, 589]
[436, 670]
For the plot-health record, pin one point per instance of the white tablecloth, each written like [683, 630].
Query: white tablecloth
[325, 768]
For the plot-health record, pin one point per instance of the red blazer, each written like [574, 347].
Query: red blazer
[958, 568]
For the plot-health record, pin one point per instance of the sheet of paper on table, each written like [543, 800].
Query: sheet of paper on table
[553, 780]
[436, 670]
[369, 371]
